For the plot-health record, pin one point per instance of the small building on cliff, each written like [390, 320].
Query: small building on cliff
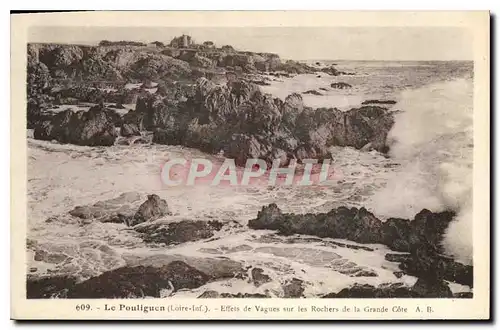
[183, 41]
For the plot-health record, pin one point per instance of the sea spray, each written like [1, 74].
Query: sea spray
[432, 139]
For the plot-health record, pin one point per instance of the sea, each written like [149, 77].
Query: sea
[429, 166]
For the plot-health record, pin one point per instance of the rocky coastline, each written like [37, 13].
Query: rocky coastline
[202, 97]
[208, 98]
[419, 239]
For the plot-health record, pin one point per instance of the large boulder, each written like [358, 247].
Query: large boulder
[432, 289]
[156, 66]
[244, 61]
[140, 282]
[368, 124]
[178, 232]
[242, 147]
[94, 127]
[295, 67]
[321, 128]
[153, 208]
[112, 210]
[61, 59]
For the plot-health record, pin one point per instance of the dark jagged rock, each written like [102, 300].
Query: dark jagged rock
[378, 102]
[340, 85]
[369, 291]
[322, 128]
[431, 266]
[158, 67]
[129, 130]
[166, 136]
[134, 119]
[421, 289]
[215, 294]
[396, 233]
[200, 114]
[38, 80]
[398, 274]
[179, 232]
[245, 123]
[421, 238]
[296, 67]
[458, 273]
[432, 289]
[209, 294]
[195, 59]
[243, 295]
[94, 127]
[293, 288]
[113, 210]
[140, 281]
[353, 224]
[48, 287]
[366, 273]
[258, 277]
[331, 70]
[312, 92]
[152, 209]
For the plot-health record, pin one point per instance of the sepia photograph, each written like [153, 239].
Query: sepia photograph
[206, 162]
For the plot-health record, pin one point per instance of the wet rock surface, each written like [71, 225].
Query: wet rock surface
[215, 294]
[113, 210]
[49, 287]
[125, 282]
[370, 291]
[137, 282]
[421, 237]
[152, 209]
[312, 92]
[258, 277]
[421, 289]
[293, 288]
[187, 107]
[179, 232]
[378, 102]
[340, 85]
[95, 127]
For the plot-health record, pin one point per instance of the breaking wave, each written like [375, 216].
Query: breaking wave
[432, 139]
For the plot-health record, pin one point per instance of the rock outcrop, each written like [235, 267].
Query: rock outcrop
[245, 123]
[312, 92]
[49, 287]
[114, 210]
[150, 210]
[178, 232]
[95, 127]
[421, 238]
[340, 85]
[139, 282]
[378, 102]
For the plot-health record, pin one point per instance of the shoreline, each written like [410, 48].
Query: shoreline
[214, 108]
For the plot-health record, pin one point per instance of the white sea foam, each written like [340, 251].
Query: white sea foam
[432, 142]
[432, 139]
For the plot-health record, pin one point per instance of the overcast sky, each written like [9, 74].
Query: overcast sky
[335, 43]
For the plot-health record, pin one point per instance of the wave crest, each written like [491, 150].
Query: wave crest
[433, 140]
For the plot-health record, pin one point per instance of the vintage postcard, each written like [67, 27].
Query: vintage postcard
[250, 165]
